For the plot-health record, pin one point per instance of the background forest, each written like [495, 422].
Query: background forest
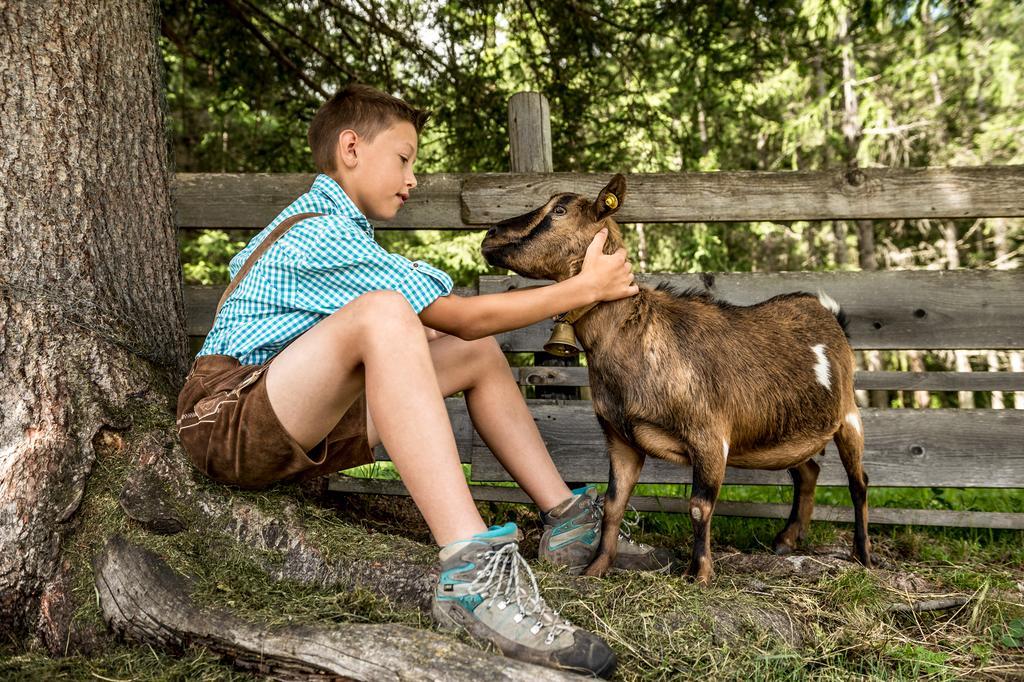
[634, 86]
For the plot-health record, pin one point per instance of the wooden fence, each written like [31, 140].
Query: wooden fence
[889, 310]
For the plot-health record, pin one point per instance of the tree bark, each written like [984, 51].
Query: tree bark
[91, 312]
[143, 598]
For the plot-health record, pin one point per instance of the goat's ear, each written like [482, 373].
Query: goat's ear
[610, 198]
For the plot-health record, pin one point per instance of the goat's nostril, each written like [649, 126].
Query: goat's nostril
[493, 231]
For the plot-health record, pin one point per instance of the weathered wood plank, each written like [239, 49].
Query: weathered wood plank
[934, 310]
[898, 310]
[252, 200]
[981, 191]
[931, 381]
[941, 381]
[200, 306]
[463, 201]
[913, 448]
[529, 133]
[878, 515]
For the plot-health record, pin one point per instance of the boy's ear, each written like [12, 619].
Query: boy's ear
[610, 198]
[346, 149]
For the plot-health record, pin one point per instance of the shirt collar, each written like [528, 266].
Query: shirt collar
[327, 188]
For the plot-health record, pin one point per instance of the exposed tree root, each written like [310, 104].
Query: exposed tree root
[142, 598]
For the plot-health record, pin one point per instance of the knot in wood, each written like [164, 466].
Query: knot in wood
[855, 177]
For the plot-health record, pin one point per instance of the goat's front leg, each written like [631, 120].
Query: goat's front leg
[708, 474]
[626, 463]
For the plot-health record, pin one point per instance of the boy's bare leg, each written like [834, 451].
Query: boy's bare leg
[499, 413]
[376, 343]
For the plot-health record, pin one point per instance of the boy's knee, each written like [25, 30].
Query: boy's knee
[381, 313]
[489, 347]
[488, 351]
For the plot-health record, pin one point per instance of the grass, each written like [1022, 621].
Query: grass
[755, 621]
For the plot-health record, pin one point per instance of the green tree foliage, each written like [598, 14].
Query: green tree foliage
[634, 86]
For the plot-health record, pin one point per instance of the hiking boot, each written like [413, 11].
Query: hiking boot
[572, 535]
[487, 589]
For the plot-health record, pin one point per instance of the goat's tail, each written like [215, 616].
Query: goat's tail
[833, 307]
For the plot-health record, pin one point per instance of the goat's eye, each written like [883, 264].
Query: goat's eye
[559, 210]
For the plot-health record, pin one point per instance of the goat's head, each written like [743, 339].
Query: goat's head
[551, 241]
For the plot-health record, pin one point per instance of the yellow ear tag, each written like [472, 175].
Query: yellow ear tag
[611, 201]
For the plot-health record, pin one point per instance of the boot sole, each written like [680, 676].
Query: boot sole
[448, 622]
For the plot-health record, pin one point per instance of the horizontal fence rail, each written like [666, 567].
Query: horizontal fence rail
[969, 192]
[889, 310]
[866, 381]
[656, 503]
[470, 201]
[902, 448]
[252, 200]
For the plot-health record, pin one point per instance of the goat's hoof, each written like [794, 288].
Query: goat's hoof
[783, 548]
[865, 560]
[701, 579]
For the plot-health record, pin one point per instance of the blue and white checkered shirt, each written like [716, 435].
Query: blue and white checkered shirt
[315, 268]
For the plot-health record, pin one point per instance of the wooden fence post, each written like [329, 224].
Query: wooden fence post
[529, 133]
[529, 136]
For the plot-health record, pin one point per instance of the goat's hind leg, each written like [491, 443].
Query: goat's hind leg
[805, 478]
[850, 442]
[708, 474]
[623, 473]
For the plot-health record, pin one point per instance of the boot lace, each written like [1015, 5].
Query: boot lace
[500, 582]
[629, 522]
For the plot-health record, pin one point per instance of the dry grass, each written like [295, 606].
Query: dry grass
[811, 616]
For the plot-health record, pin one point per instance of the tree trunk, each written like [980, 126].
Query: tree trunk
[915, 359]
[1017, 365]
[992, 358]
[852, 133]
[90, 289]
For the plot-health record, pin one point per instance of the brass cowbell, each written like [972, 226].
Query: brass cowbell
[563, 341]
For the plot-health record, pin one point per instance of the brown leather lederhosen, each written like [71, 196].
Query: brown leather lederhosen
[230, 431]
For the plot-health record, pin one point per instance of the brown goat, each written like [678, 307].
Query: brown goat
[692, 380]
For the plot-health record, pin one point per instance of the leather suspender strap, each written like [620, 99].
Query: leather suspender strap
[278, 231]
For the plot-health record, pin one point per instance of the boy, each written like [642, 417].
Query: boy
[326, 345]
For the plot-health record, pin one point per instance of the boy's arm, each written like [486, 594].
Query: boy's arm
[602, 278]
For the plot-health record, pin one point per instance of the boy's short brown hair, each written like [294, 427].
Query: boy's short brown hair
[364, 109]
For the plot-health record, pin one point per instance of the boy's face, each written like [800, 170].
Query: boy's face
[377, 175]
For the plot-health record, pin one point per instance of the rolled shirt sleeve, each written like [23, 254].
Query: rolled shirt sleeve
[340, 262]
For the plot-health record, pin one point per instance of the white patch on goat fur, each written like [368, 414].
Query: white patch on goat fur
[697, 514]
[821, 370]
[829, 302]
[725, 450]
[853, 420]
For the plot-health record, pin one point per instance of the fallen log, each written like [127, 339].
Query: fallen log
[143, 599]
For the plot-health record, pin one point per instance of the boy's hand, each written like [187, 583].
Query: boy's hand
[609, 277]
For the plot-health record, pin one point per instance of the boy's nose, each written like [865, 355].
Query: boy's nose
[411, 182]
